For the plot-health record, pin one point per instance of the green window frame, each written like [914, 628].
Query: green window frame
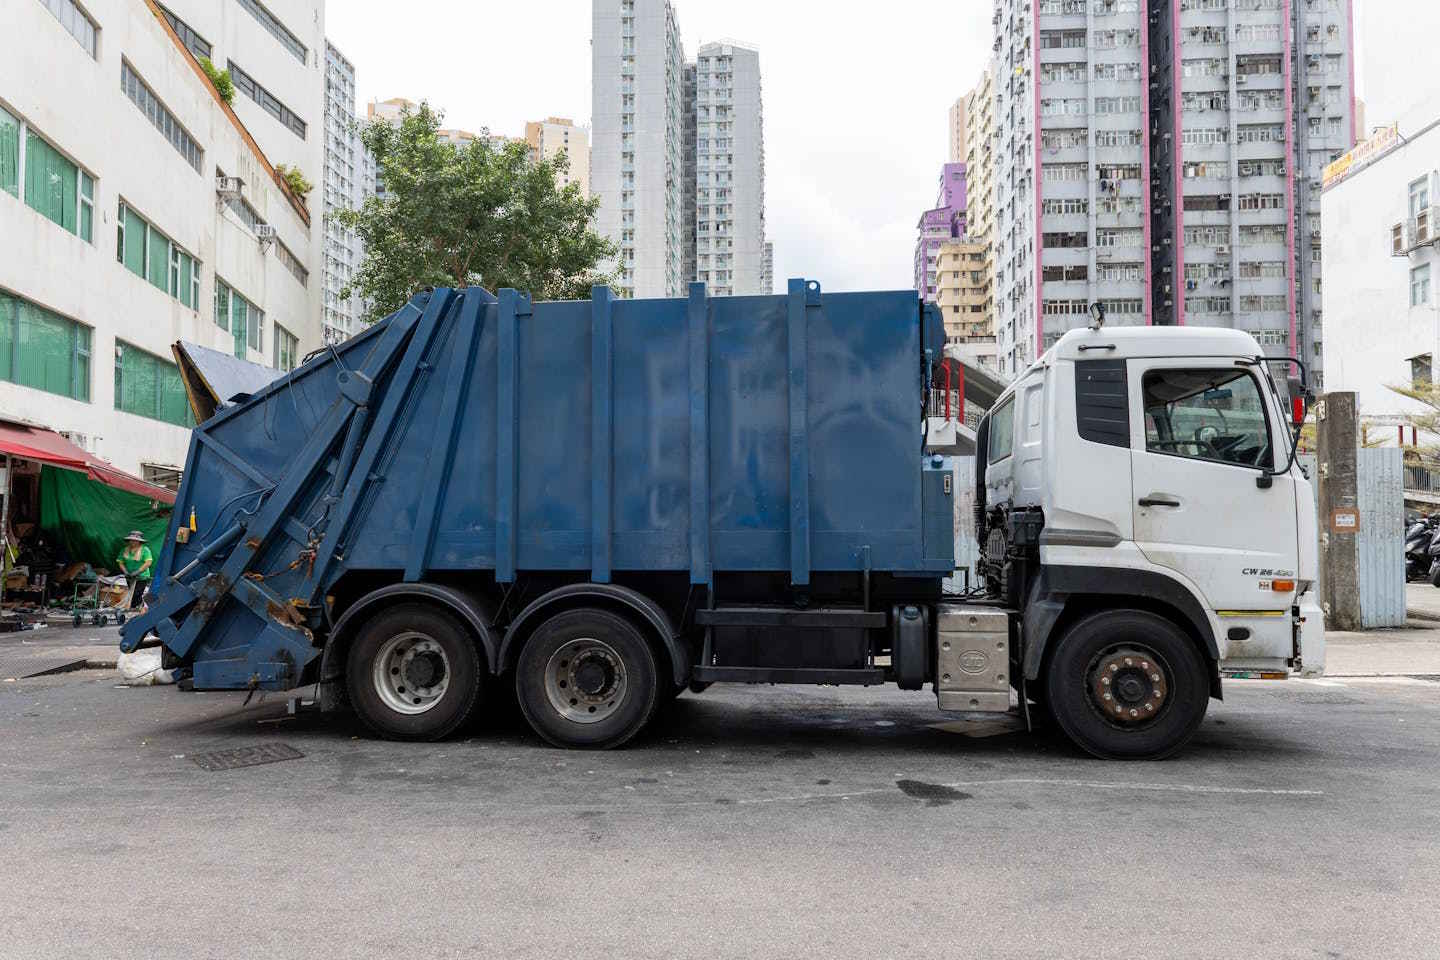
[9, 153]
[222, 305]
[56, 187]
[148, 386]
[151, 255]
[286, 348]
[245, 320]
[42, 349]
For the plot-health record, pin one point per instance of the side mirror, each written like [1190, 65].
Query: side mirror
[1299, 401]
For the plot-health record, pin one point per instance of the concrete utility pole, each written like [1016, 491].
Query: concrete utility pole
[1337, 428]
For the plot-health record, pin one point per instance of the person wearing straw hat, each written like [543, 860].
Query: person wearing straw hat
[135, 562]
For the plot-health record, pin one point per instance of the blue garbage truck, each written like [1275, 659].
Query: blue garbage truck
[601, 503]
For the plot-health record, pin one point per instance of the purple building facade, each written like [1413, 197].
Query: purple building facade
[945, 221]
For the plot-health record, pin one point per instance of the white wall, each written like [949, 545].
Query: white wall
[1371, 330]
[76, 102]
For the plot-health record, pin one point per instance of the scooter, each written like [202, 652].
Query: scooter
[1434, 552]
[1417, 547]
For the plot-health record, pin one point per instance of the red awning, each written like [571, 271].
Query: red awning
[47, 446]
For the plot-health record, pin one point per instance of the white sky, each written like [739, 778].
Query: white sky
[855, 103]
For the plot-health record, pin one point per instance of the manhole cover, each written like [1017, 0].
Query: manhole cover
[246, 756]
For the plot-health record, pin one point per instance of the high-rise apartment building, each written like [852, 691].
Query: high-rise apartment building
[980, 194]
[1163, 157]
[554, 136]
[767, 270]
[349, 179]
[729, 169]
[959, 129]
[636, 156]
[960, 294]
[940, 224]
[138, 208]
[677, 154]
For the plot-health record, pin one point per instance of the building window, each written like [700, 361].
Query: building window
[148, 253]
[245, 320]
[1420, 286]
[1419, 196]
[287, 347]
[9, 154]
[1420, 376]
[76, 22]
[43, 350]
[277, 29]
[163, 120]
[197, 44]
[54, 187]
[150, 387]
[267, 100]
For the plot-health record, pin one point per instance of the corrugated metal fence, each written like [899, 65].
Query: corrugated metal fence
[1380, 543]
[967, 551]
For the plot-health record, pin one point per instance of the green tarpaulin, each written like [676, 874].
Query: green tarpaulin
[91, 519]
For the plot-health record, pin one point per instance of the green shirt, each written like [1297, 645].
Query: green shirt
[131, 565]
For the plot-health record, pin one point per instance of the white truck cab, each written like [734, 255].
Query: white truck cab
[1137, 486]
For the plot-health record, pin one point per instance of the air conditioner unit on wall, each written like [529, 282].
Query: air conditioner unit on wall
[228, 188]
[265, 233]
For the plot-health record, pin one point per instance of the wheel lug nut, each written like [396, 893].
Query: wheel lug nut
[1155, 677]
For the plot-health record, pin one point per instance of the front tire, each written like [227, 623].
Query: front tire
[413, 673]
[587, 679]
[1127, 685]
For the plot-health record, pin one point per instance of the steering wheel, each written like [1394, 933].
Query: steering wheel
[1206, 436]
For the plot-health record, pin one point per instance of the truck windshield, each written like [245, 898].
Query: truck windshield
[1207, 414]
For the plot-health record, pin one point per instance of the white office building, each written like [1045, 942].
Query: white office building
[677, 154]
[349, 179]
[557, 136]
[729, 170]
[137, 208]
[1381, 216]
[636, 156]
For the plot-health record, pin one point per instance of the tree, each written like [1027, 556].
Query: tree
[480, 214]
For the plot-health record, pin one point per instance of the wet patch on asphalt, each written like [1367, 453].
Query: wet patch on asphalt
[934, 794]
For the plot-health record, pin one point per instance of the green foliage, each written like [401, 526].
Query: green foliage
[295, 180]
[482, 214]
[220, 79]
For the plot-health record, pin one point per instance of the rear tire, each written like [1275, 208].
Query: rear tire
[587, 679]
[414, 673]
[1127, 685]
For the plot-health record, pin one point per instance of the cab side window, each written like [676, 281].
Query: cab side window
[1002, 432]
[1207, 414]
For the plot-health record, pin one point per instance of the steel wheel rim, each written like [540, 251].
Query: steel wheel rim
[411, 673]
[585, 680]
[1130, 685]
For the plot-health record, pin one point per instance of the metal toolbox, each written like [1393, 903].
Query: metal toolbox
[972, 658]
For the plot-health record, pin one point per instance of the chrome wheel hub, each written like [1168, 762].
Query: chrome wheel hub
[411, 673]
[585, 680]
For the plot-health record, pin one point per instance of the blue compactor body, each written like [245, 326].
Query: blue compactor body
[738, 482]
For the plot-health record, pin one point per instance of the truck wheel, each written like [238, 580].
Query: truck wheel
[413, 673]
[1127, 685]
[587, 679]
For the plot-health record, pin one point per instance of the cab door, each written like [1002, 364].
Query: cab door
[1205, 433]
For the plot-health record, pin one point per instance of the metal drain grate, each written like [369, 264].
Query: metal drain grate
[22, 667]
[246, 756]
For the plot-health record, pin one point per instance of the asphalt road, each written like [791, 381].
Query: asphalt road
[749, 822]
